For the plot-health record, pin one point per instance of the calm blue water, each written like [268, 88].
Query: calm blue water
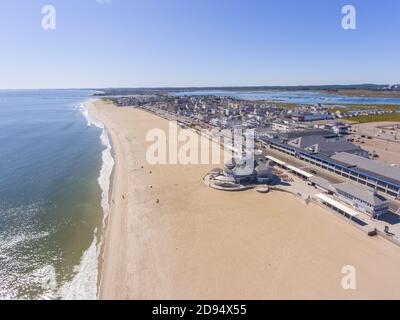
[306, 97]
[50, 161]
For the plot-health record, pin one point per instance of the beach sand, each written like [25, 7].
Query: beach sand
[199, 243]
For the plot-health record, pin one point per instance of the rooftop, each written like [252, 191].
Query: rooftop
[305, 133]
[359, 192]
[320, 144]
[348, 160]
[337, 204]
[374, 166]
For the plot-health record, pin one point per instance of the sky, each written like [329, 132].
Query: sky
[184, 43]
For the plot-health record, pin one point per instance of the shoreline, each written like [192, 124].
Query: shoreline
[99, 236]
[140, 261]
[113, 188]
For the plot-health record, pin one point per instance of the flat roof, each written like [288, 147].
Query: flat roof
[302, 172]
[308, 132]
[361, 192]
[337, 204]
[276, 160]
[321, 182]
[299, 171]
[377, 167]
[334, 161]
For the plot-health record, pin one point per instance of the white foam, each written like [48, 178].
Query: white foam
[43, 278]
[11, 278]
[108, 161]
[8, 243]
[90, 120]
[84, 283]
[105, 174]
[83, 286]
[46, 277]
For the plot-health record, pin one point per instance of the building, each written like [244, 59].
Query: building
[321, 184]
[327, 147]
[249, 170]
[296, 171]
[311, 116]
[321, 141]
[340, 158]
[283, 126]
[339, 128]
[361, 198]
[338, 207]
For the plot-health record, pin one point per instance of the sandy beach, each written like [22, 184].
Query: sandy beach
[171, 237]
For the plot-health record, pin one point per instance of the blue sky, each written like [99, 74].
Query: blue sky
[150, 43]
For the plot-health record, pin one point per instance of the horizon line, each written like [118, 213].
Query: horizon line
[208, 87]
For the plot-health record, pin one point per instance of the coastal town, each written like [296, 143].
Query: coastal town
[230, 112]
[311, 151]
[196, 158]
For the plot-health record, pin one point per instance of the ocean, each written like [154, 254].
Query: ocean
[55, 168]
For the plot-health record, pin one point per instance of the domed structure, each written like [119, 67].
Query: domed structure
[263, 170]
[216, 172]
[243, 171]
[225, 179]
[229, 166]
[270, 163]
[264, 173]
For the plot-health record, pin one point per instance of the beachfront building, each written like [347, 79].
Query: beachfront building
[247, 170]
[292, 169]
[340, 208]
[321, 141]
[323, 149]
[361, 198]
[241, 174]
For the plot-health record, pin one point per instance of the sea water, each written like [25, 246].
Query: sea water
[55, 168]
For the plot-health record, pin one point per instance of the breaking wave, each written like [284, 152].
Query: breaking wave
[84, 283]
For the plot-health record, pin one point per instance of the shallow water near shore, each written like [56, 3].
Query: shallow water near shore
[52, 178]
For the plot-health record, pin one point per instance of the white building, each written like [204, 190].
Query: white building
[283, 126]
[362, 199]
